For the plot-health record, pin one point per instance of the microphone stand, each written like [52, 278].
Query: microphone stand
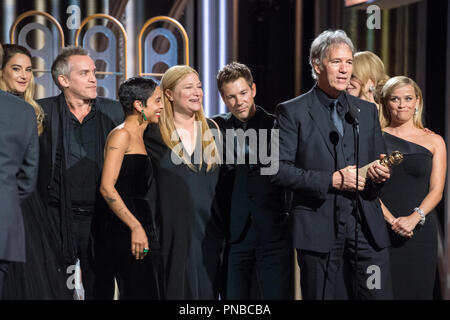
[354, 118]
[334, 138]
[356, 202]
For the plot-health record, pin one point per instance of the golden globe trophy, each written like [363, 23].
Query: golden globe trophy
[395, 158]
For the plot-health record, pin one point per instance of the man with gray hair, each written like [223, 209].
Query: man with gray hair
[317, 160]
[77, 124]
[19, 152]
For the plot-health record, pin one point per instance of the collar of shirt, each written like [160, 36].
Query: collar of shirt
[327, 101]
[89, 116]
[237, 124]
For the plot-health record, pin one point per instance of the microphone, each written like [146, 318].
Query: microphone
[352, 116]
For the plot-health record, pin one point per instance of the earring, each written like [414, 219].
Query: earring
[371, 89]
[416, 111]
[143, 115]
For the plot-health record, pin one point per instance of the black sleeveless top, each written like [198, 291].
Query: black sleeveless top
[410, 181]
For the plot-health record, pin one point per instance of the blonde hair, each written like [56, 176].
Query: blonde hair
[368, 66]
[170, 80]
[386, 92]
[28, 94]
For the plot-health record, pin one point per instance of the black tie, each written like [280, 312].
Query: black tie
[336, 110]
[241, 146]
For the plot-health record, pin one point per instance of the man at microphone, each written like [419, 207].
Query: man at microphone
[316, 161]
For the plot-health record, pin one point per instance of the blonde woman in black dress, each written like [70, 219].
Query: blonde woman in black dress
[413, 191]
[185, 158]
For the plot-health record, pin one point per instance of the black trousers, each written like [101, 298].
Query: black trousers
[81, 227]
[93, 251]
[319, 272]
[3, 272]
[272, 261]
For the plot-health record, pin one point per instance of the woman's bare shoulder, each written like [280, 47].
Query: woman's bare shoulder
[433, 139]
[119, 137]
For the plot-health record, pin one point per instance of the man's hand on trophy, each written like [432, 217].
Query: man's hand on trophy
[379, 173]
[345, 179]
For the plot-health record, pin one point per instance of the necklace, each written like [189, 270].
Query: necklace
[15, 93]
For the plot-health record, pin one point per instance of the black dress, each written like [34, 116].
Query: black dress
[136, 279]
[413, 261]
[191, 233]
[44, 275]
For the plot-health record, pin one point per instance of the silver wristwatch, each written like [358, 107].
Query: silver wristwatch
[421, 214]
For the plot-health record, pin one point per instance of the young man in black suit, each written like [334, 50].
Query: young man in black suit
[257, 234]
[19, 155]
[317, 157]
[76, 125]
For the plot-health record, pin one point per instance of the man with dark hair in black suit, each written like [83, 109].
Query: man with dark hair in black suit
[76, 125]
[317, 157]
[257, 236]
[19, 155]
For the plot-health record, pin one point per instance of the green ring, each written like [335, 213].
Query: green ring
[146, 250]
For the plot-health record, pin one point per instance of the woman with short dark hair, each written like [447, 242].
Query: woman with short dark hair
[125, 184]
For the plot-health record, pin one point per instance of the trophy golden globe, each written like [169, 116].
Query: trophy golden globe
[395, 158]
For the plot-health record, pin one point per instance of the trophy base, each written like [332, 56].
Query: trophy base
[362, 172]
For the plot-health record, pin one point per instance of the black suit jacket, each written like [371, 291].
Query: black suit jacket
[264, 201]
[111, 114]
[19, 155]
[308, 159]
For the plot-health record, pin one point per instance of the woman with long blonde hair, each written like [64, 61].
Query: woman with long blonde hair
[368, 77]
[16, 77]
[186, 162]
[413, 191]
[43, 275]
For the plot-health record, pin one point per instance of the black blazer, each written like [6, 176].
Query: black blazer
[265, 200]
[308, 160]
[19, 155]
[111, 114]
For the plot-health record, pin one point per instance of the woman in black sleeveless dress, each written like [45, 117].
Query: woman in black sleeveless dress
[413, 191]
[186, 172]
[126, 185]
